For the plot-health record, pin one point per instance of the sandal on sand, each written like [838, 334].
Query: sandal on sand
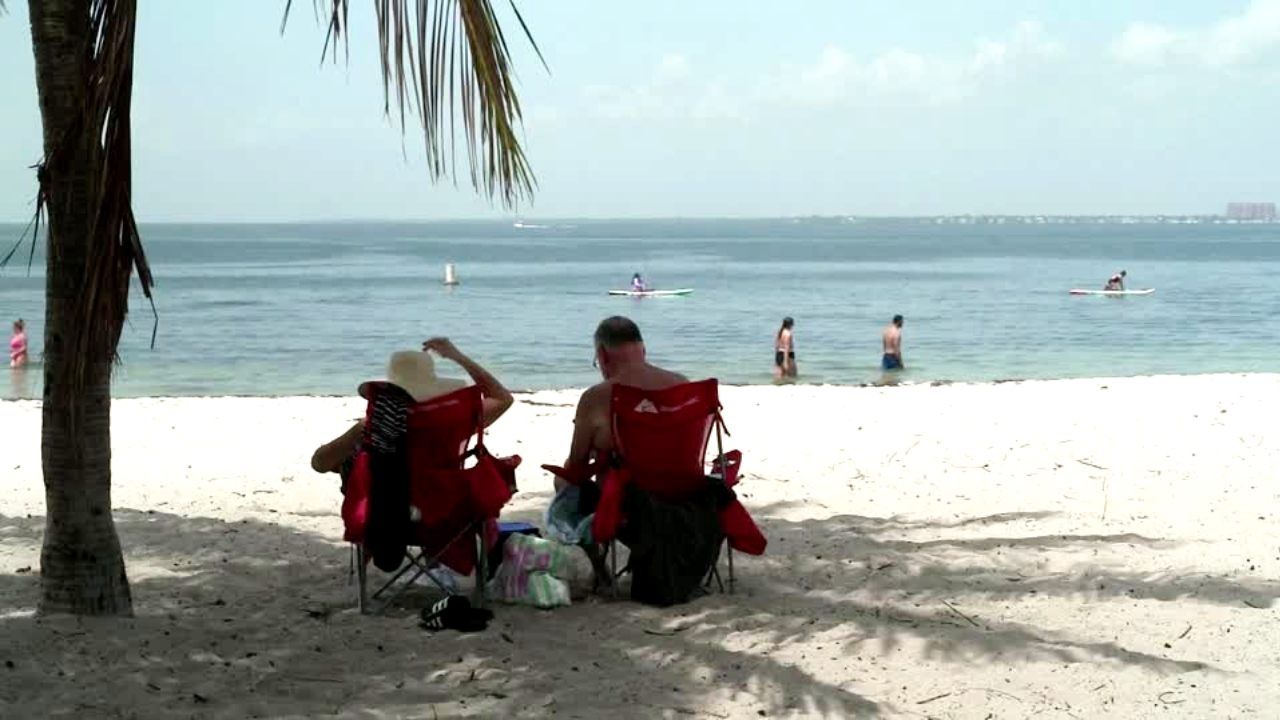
[455, 613]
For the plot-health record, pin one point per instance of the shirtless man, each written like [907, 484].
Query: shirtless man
[1117, 281]
[620, 355]
[892, 359]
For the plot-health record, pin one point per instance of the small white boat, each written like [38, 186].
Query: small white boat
[652, 293]
[1113, 293]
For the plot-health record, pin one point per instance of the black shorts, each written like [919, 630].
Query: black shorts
[779, 356]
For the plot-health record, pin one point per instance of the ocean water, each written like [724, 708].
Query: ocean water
[316, 308]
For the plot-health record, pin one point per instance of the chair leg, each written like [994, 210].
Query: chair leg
[412, 565]
[714, 572]
[362, 579]
[382, 598]
[418, 565]
[613, 567]
[730, 549]
[599, 567]
[482, 569]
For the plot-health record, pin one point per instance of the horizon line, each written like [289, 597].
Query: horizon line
[514, 219]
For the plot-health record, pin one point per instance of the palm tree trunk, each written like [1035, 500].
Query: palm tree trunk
[81, 563]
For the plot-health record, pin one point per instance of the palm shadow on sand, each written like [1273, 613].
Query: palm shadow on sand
[259, 622]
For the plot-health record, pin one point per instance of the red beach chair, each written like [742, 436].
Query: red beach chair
[660, 442]
[456, 506]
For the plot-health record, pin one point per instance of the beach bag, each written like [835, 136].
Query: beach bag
[673, 545]
[355, 498]
[564, 520]
[534, 571]
[492, 481]
[356, 486]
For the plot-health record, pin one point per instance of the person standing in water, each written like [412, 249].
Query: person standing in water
[784, 351]
[1117, 281]
[18, 345]
[892, 338]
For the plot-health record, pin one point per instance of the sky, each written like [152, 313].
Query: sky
[715, 108]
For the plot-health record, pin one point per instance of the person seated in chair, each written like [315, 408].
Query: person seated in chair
[620, 355]
[412, 379]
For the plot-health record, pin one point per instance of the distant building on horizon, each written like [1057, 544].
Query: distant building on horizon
[1251, 211]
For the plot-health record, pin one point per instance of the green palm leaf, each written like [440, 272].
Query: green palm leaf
[447, 61]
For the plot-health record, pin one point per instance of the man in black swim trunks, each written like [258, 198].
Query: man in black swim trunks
[784, 350]
[892, 338]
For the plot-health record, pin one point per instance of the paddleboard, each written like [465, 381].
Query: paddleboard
[652, 293]
[1113, 293]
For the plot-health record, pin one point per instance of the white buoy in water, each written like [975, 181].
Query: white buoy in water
[450, 274]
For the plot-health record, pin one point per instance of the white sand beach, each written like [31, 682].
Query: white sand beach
[1081, 548]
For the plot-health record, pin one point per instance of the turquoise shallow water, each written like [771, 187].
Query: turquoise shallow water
[313, 309]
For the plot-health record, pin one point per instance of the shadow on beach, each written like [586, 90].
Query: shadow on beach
[255, 619]
[251, 619]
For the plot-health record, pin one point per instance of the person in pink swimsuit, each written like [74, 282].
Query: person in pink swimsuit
[18, 345]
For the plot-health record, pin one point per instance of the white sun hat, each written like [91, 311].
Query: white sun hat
[415, 372]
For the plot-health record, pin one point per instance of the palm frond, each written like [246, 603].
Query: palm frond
[118, 251]
[447, 61]
[32, 230]
[99, 139]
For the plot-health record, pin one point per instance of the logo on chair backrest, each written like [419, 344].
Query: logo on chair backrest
[646, 406]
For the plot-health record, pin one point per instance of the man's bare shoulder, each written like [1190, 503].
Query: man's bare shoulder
[678, 379]
[656, 378]
[595, 395]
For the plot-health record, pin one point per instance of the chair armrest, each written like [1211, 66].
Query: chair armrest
[732, 464]
[575, 476]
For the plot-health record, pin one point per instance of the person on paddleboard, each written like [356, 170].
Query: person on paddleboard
[1117, 281]
[638, 284]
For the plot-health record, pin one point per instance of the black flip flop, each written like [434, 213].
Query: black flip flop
[455, 613]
